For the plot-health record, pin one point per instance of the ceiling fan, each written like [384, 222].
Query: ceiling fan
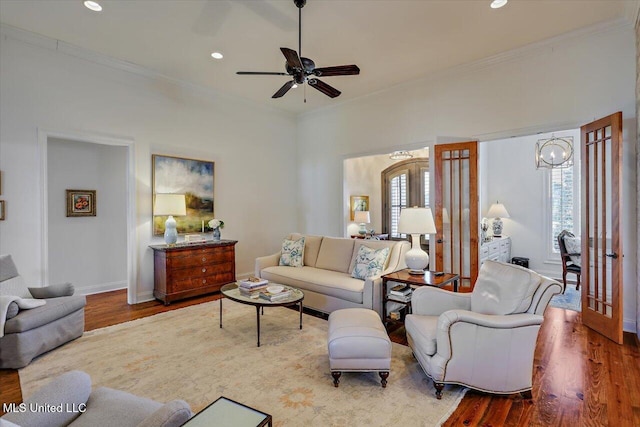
[304, 69]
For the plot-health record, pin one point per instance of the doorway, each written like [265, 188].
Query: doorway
[95, 253]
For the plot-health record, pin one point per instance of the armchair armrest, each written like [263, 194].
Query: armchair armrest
[53, 291]
[460, 327]
[430, 301]
[266, 261]
[71, 389]
[171, 414]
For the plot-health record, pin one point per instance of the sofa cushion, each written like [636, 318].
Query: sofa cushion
[54, 309]
[311, 247]
[335, 254]
[292, 253]
[107, 406]
[424, 332]
[503, 289]
[8, 268]
[369, 262]
[325, 282]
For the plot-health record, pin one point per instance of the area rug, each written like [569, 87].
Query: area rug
[185, 354]
[570, 300]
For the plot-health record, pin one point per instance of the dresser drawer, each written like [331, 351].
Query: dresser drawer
[200, 271]
[190, 283]
[200, 257]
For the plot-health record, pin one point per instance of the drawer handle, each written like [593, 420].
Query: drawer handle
[204, 270]
[203, 259]
[204, 280]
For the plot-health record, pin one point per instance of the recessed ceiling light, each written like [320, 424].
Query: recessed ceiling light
[93, 5]
[217, 55]
[495, 4]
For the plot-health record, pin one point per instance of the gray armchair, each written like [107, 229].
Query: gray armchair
[101, 407]
[485, 339]
[27, 334]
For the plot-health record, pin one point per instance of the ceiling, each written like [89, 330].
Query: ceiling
[392, 41]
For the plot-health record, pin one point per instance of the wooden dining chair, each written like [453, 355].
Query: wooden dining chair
[568, 265]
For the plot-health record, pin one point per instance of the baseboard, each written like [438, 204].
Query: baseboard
[103, 287]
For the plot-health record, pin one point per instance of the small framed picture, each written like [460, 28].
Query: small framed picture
[358, 203]
[81, 202]
[3, 208]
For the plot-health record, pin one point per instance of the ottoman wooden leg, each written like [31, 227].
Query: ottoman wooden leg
[384, 376]
[439, 387]
[336, 378]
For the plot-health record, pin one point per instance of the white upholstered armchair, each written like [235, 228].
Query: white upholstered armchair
[485, 339]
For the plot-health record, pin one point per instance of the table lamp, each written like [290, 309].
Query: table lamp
[416, 221]
[170, 204]
[363, 218]
[497, 211]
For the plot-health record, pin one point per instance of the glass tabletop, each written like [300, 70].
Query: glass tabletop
[229, 413]
[231, 291]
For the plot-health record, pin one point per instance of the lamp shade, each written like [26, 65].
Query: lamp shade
[362, 216]
[497, 210]
[170, 204]
[416, 221]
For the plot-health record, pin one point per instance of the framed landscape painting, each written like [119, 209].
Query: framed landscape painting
[194, 179]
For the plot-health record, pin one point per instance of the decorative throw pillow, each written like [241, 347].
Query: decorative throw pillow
[573, 246]
[292, 254]
[369, 262]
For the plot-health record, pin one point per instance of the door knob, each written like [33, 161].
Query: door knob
[613, 255]
[439, 241]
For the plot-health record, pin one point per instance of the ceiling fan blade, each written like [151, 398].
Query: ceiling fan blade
[261, 73]
[293, 60]
[339, 70]
[328, 90]
[284, 89]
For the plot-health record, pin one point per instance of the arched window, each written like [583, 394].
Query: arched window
[404, 184]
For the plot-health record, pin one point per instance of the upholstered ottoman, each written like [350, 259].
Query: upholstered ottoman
[358, 342]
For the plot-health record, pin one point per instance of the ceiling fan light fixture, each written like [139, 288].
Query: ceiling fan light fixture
[295, 85]
[400, 155]
[217, 55]
[93, 5]
[497, 4]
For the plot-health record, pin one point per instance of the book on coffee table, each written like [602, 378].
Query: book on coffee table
[252, 283]
[286, 293]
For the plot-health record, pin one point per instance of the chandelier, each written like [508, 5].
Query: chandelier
[554, 152]
[400, 155]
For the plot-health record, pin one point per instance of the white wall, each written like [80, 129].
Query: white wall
[545, 87]
[89, 251]
[46, 87]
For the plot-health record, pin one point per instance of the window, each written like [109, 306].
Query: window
[404, 184]
[563, 198]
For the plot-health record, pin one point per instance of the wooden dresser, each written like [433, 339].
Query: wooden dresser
[187, 270]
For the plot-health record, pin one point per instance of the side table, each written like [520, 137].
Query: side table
[429, 278]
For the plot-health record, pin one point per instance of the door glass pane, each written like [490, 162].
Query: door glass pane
[591, 230]
[607, 229]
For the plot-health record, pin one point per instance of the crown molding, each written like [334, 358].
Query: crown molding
[10, 32]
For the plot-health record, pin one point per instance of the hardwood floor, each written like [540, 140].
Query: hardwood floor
[580, 378]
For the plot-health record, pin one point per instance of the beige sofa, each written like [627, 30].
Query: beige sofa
[326, 278]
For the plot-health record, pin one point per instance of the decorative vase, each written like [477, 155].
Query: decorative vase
[216, 234]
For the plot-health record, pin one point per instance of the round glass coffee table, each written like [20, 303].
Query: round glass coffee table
[232, 292]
